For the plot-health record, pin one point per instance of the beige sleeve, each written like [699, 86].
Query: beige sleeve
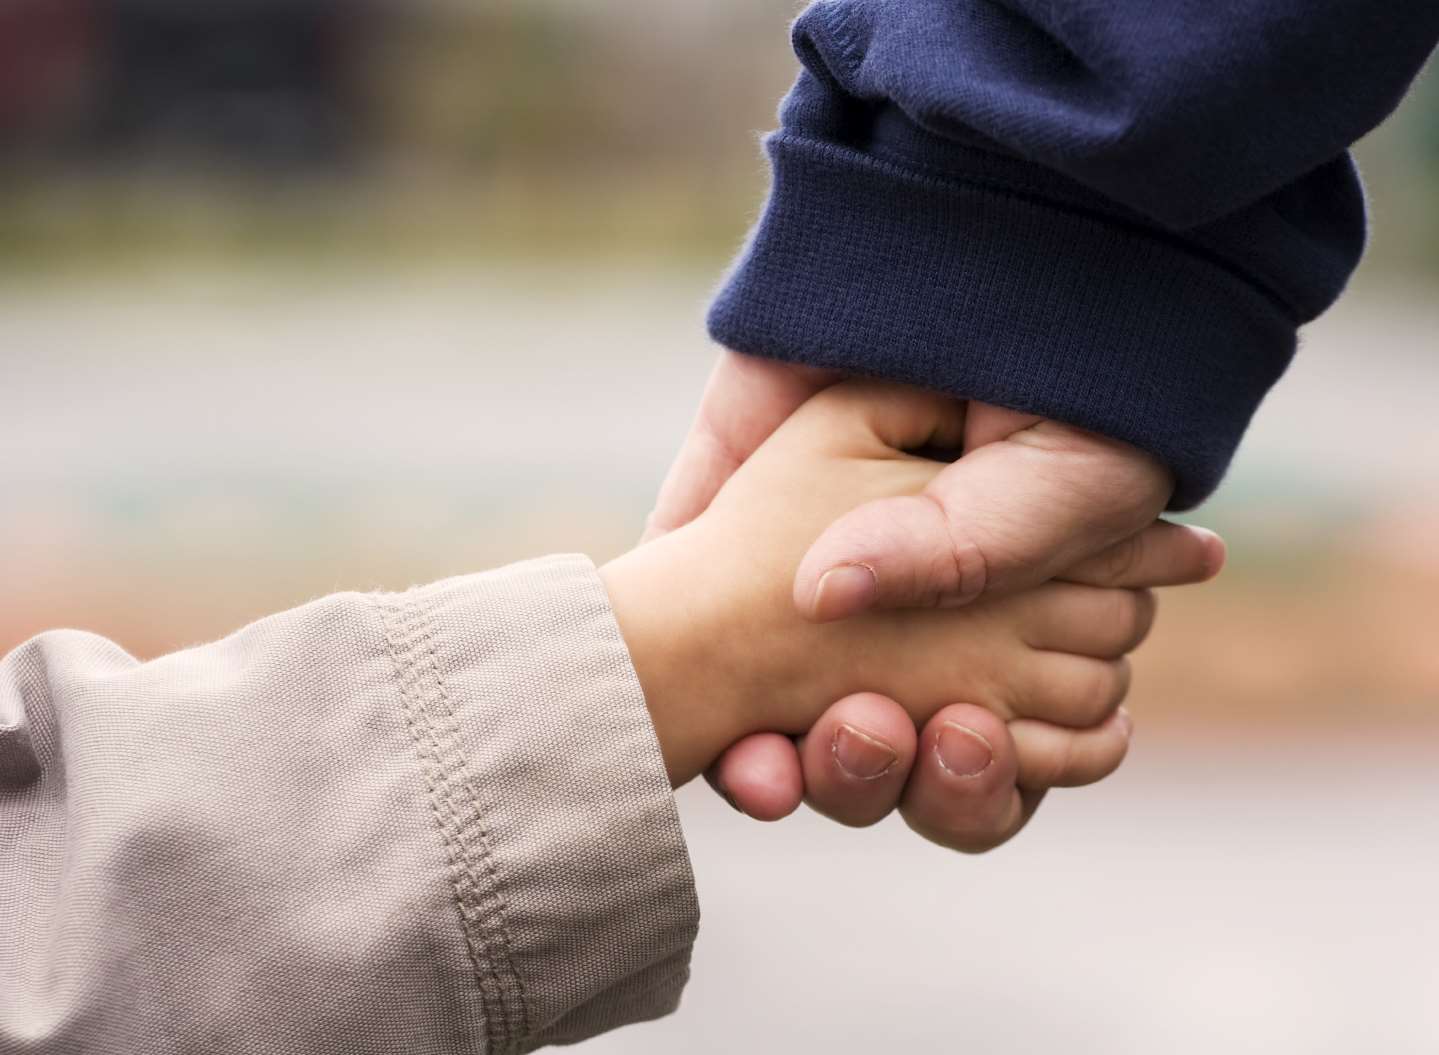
[427, 822]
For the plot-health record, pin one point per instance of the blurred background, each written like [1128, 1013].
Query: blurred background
[298, 296]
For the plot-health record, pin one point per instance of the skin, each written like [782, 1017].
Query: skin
[1031, 499]
[722, 652]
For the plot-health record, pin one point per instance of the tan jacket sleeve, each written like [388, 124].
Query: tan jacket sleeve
[428, 822]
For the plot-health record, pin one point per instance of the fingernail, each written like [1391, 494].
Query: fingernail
[845, 590]
[962, 751]
[861, 756]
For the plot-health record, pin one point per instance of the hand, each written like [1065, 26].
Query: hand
[859, 762]
[764, 775]
[721, 651]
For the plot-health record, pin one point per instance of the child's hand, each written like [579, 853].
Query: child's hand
[709, 617]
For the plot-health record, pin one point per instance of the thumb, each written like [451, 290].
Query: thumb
[745, 400]
[1012, 513]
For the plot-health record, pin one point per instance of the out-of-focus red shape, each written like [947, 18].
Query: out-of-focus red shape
[46, 50]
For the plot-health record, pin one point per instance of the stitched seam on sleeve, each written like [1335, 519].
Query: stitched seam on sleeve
[451, 791]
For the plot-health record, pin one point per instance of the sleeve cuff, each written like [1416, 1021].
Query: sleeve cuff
[562, 832]
[978, 287]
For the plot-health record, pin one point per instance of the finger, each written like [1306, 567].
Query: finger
[760, 776]
[962, 792]
[1163, 554]
[1077, 692]
[744, 401]
[1009, 515]
[1086, 620]
[990, 424]
[1051, 756]
[856, 759]
[898, 417]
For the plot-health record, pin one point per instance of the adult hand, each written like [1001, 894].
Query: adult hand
[745, 399]
[1030, 498]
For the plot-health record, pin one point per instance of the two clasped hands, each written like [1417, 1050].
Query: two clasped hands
[464, 775]
[821, 613]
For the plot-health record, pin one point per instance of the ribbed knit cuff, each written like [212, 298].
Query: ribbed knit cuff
[993, 293]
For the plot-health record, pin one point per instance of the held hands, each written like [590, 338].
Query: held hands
[710, 614]
[1029, 499]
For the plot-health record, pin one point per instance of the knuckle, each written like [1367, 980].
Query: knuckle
[1041, 768]
[1104, 757]
[1099, 468]
[959, 569]
[1100, 691]
[1118, 752]
[1123, 674]
[1124, 560]
[1128, 618]
[1056, 763]
[1091, 696]
[1123, 613]
[1146, 607]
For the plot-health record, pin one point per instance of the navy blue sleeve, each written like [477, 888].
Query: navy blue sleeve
[1115, 213]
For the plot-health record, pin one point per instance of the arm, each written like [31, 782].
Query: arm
[1114, 215]
[441, 821]
[435, 821]
[1109, 214]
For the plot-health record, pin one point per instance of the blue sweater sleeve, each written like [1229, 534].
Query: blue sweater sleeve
[1115, 213]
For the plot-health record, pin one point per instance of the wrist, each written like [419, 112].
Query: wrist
[670, 611]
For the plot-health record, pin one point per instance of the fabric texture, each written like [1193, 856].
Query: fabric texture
[428, 822]
[1116, 214]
